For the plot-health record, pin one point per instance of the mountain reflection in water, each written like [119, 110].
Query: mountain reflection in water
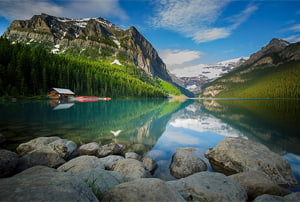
[158, 127]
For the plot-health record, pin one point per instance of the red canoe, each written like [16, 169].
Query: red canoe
[90, 98]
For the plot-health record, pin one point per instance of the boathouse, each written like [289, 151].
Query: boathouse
[60, 93]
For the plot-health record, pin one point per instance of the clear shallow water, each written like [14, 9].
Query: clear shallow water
[157, 128]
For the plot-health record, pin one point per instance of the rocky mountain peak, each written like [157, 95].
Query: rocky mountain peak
[274, 46]
[94, 37]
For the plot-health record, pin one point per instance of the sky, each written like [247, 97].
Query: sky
[184, 32]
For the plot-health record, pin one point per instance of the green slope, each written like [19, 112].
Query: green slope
[282, 81]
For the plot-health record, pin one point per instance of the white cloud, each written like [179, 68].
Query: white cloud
[178, 57]
[238, 19]
[211, 34]
[293, 38]
[195, 19]
[294, 28]
[24, 9]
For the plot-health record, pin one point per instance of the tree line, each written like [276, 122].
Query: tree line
[26, 71]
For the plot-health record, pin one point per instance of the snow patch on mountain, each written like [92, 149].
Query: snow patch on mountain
[210, 71]
[116, 61]
[82, 22]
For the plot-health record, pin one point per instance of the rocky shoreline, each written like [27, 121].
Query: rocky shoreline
[55, 169]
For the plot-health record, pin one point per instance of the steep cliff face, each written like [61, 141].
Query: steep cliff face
[143, 54]
[91, 38]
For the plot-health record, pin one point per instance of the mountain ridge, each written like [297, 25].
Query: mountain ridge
[193, 78]
[94, 38]
[272, 72]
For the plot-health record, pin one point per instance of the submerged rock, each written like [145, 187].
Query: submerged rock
[131, 168]
[257, 183]
[8, 162]
[150, 164]
[89, 149]
[101, 181]
[185, 163]
[41, 183]
[81, 163]
[208, 186]
[146, 189]
[110, 149]
[235, 155]
[132, 155]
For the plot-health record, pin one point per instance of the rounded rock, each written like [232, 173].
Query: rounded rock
[235, 155]
[41, 183]
[131, 168]
[185, 163]
[8, 162]
[149, 189]
[81, 163]
[210, 187]
[89, 149]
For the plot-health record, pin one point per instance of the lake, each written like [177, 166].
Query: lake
[158, 127]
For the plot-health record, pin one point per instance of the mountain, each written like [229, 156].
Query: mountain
[272, 72]
[193, 78]
[89, 38]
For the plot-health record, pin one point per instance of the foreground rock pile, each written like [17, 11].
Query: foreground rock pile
[55, 169]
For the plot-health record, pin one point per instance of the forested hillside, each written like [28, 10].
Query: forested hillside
[272, 82]
[26, 71]
[272, 72]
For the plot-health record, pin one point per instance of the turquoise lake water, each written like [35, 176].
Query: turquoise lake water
[158, 127]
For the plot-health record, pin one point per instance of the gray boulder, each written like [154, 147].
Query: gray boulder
[35, 144]
[44, 184]
[208, 186]
[257, 183]
[149, 189]
[89, 149]
[63, 147]
[48, 151]
[81, 163]
[110, 160]
[150, 164]
[131, 168]
[100, 181]
[293, 197]
[269, 198]
[8, 162]
[110, 149]
[42, 156]
[133, 155]
[235, 155]
[185, 163]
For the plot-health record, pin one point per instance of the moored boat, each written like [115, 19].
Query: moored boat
[90, 98]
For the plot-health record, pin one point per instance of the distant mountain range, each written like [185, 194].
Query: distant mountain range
[193, 78]
[272, 72]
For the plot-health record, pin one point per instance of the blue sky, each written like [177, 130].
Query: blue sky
[184, 32]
